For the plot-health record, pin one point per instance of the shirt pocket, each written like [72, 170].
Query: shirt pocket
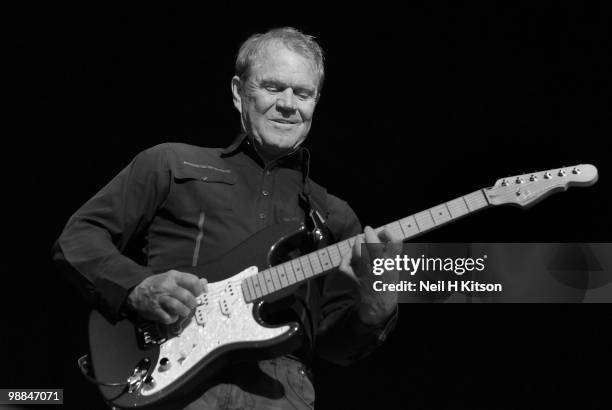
[204, 187]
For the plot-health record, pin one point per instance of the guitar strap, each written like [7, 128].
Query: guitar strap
[313, 202]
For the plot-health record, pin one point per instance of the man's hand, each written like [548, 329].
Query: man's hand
[375, 307]
[166, 296]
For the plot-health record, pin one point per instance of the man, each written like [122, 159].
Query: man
[178, 205]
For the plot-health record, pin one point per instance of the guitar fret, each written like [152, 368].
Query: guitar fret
[308, 273]
[268, 281]
[475, 200]
[458, 207]
[326, 262]
[344, 247]
[249, 282]
[424, 221]
[297, 268]
[395, 229]
[291, 275]
[351, 242]
[440, 214]
[315, 263]
[450, 217]
[283, 276]
[262, 284]
[409, 226]
[275, 278]
[256, 286]
[334, 253]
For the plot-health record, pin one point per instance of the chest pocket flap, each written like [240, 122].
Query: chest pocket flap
[205, 173]
[204, 187]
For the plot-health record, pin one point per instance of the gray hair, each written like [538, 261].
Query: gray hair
[291, 38]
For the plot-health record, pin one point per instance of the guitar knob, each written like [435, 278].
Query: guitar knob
[164, 364]
[150, 381]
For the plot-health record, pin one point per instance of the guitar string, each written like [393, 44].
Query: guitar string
[459, 208]
[452, 207]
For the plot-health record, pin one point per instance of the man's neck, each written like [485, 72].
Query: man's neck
[267, 156]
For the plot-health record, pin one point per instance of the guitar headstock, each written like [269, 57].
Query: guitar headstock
[527, 189]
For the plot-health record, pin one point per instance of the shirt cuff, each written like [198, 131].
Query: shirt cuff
[381, 331]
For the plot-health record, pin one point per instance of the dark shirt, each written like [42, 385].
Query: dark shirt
[178, 205]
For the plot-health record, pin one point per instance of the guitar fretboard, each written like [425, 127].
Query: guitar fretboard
[316, 263]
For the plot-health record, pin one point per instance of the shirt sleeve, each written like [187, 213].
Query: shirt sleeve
[91, 250]
[342, 338]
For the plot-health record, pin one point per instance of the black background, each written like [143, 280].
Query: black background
[420, 106]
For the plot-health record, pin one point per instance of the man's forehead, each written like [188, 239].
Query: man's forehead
[278, 63]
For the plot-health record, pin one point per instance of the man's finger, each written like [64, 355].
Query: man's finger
[373, 245]
[204, 283]
[190, 282]
[394, 248]
[356, 251]
[173, 306]
[345, 265]
[370, 235]
[387, 235]
[164, 317]
[184, 296]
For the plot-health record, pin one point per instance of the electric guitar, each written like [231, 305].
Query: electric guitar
[144, 365]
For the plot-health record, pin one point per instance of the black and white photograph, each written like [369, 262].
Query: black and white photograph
[293, 207]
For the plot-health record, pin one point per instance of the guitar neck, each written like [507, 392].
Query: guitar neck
[306, 267]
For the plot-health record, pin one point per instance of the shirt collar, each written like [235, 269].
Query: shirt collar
[242, 143]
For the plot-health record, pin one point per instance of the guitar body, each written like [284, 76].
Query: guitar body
[222, 330]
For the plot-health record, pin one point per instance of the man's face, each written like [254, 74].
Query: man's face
[278, 99]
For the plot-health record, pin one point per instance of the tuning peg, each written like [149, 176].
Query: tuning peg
[561, 173]
[576, 170]
[533, 178]
[504, 183]
[547, 175]
[519, 180]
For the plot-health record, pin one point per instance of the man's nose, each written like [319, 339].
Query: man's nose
[286, 100]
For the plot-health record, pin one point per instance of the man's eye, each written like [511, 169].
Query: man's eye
[271, 88]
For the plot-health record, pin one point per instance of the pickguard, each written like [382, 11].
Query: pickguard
[221, 319]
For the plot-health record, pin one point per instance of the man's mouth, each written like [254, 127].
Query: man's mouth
[283, 121]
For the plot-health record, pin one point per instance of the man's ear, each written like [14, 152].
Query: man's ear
[236, 96]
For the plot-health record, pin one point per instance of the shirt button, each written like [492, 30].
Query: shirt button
[262, 216]
[268, 172]
[265, 193]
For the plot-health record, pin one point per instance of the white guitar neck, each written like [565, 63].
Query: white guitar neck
[306, 267]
